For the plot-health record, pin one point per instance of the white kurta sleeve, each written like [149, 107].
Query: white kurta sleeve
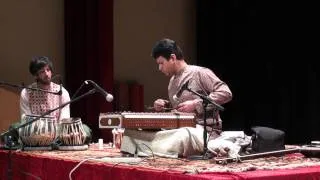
[24, 103]
[65, 111]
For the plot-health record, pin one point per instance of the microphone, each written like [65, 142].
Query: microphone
[183, 87]
[108, 96]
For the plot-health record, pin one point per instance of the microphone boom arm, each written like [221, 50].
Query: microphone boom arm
[34, 89]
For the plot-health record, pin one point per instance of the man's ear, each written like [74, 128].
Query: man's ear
[173, 56]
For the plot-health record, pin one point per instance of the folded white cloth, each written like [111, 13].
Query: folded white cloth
[167, 143]
[232, 140]
[221, 144]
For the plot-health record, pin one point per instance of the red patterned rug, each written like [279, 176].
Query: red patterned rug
[94, 155]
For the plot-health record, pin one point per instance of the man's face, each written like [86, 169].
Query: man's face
[44, 75]
[166, 66]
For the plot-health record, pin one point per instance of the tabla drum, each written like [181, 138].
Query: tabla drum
[72, 134]
[39, 134]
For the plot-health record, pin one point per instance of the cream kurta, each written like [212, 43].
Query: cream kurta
[205, 82]
[37, 102]
[183, 141]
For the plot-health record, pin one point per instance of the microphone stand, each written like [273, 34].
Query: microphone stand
[92, 91]
[205, 102]
[34, 89]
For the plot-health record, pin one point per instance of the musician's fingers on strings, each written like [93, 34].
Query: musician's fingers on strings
[160, 104]
[159, 109]
[174, 111]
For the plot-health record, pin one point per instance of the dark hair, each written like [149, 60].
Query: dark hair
[39, 62]
[165, 48]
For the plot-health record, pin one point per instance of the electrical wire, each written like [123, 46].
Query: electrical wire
[32, 175]
[81, 162]
[97, 158]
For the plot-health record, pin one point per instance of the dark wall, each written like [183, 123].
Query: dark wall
[266, 54]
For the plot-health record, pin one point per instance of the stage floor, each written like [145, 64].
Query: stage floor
[109, 163]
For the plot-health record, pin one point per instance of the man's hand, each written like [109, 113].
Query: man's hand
[187, 106]
[160, 104]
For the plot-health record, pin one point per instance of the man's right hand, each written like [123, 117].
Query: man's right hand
[160, 104]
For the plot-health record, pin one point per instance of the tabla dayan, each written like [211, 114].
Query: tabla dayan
[72, 134]
[39, 134]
